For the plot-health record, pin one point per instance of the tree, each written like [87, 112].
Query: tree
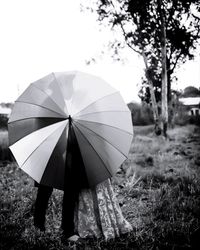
[164, 33]
[191, 91]
[164, 67]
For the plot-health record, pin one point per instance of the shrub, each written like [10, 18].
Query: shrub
[3, 122]
[182, 119]
[141, 114]
[194, 120]
[5, 154]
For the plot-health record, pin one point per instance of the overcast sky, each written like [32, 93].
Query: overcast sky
[43, 36]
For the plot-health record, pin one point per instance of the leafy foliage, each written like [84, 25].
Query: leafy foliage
[3, 122]
[141, 114]
[191, 91]
[139, 23]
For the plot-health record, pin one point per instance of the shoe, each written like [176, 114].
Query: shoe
[73, 238]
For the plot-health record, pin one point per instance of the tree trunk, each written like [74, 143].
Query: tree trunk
[170, 98]
[164, 71]
[169, 73]
[170, 101]
[153, 98]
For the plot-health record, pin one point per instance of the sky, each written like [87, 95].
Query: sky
[43, 36]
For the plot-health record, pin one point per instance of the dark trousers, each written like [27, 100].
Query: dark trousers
[41, 205]
[70, 199]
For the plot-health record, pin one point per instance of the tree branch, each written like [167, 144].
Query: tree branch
[196, 17]
[175, 63]
[124, 32]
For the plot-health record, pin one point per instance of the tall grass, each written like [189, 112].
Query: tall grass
[165, 201]
[158, 189]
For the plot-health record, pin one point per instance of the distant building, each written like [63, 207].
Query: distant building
[192, 105]
[5, 111]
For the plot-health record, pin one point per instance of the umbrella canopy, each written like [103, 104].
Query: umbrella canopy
[70, 108]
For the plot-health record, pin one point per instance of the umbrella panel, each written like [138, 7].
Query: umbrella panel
[120, 139]
[95, 168]
[27, 110]
[55, 170]
[35, 149]
[49, 85]
[38, 97]
[36, 162]
[19, 129]
[75, 86]
[112, 102]
[106, 152]
[121, 120]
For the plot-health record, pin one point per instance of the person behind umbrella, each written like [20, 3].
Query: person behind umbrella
[87, 212]
[98, 213]
[103, 127]
[96, 210]
[74, 180]
[93, 213]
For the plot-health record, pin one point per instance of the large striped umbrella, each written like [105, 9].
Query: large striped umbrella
[70, 108]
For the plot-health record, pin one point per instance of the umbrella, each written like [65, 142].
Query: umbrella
[70, 110]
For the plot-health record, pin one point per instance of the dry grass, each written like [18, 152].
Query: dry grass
[158, 189]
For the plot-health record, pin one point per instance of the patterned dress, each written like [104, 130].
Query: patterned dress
[98, 213]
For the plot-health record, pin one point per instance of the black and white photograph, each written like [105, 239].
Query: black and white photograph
[100, 125]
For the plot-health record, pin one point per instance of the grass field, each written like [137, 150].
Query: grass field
[158, 189]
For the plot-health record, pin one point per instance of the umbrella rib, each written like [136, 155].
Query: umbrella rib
[106, 111]
[48, 96]
[96, 101]
[102, 138]
[41, 144]
[105, 125]
[42, 107]
[94, 150]
[62, 119]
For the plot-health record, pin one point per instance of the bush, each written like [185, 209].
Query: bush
[195, 120]
[3, 122]
[141, 114]
[5, 153]
[184, 119]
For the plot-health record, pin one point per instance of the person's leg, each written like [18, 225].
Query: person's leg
[69, 202]
[75, 179]
[41, 204]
